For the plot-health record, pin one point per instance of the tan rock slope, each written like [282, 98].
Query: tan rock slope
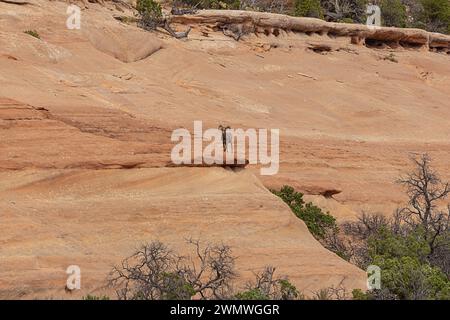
[86, 118]
[56, 218]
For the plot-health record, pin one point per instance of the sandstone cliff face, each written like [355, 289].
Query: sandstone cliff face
[85, 126]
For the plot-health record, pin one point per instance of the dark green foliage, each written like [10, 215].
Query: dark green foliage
[210, 4]
[252, 294]
[390, 245]
[346, 20]
[150, 13]
[148, 7]
[285, 291]
[412, 249]
[440, 257]
[288, 291]
[401, 250]
[393, 13]
[268, 287]
[406, 274]
[293, 199]
[177, 287]
[308, 8]
[33, 33]
[405, 271]
[358, 294]
[92, 297]
[434, 16]
[318, 222]
[378, 294]
[409, 279]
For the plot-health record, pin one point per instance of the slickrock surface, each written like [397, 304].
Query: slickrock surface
[55, 218]
[86, 118]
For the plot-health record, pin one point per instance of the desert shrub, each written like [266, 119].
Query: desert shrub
[440, 257]
[406, 271]
[93, 297]
[150, 14]
[352, 240]
[155, 272]
[425, 191]
[292, 198]
[347, 11]
[414, 253]
[393, 13]
[390, 245]
[377, 294]
[251, 294]
[323, 294]
[209, 4]
[409, 279]
[346, 20]
[358, 294]
[434, 15]
[412, 248]
[276, 6]
[33, 33]
[308, 8]
[366, 225]
[288, 291]
[268, 287]
[431, 15]
[318, 222]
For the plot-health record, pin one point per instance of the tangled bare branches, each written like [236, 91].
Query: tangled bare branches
[267, 286]
[425, 189]
[156, 272]
[332, 293]
[151, 17]
[339, 10]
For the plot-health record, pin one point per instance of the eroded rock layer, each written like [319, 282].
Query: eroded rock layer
[245, 22]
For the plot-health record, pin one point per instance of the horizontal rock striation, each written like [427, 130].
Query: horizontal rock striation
[272, 24]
